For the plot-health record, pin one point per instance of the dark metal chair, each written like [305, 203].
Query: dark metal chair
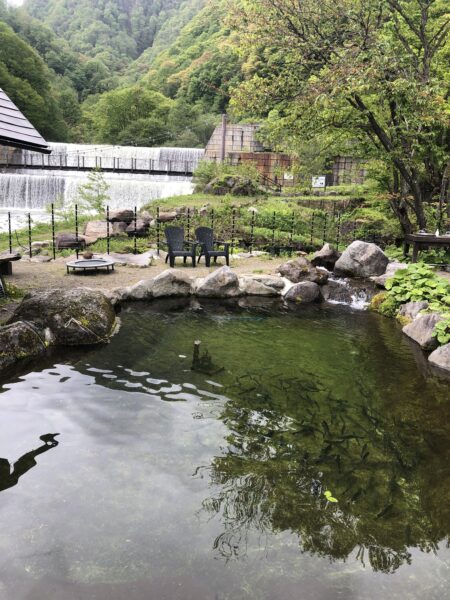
[178, 246]
[209, 247]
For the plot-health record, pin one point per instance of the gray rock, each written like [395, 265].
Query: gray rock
[392, 268]
[325, 257]
[337, 291]
[140, 228]
[301, 269]
[441, 357]
[119, 228]
[172, 282]
[361, 259]
[261, 286]
[421, 330]
[412, 309]
[142, 290]
[304, 292]
[19, 341]
[132, 260]
[95, 230]
[79, 316]
[125, 215]
[223, 283]
[69, 240]
[166, 217]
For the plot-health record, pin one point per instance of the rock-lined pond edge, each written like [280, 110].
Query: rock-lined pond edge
[86, 317]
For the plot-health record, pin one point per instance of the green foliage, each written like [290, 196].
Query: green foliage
[209, 171]
[416, 283]
[27, 81]
[442, 330]
[133, 115]
[93, 195]
[363, 77]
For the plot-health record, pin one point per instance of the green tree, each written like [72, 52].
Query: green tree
[373, 73]
[93, 195]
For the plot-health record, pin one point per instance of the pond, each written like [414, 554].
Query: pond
[219, 482]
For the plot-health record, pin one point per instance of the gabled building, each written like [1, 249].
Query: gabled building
[16, 131]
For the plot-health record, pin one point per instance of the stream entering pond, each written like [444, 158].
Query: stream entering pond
[218, 483]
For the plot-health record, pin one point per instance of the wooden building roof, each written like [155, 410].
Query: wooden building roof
[16, 130]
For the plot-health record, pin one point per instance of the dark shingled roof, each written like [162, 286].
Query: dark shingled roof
[16, 130]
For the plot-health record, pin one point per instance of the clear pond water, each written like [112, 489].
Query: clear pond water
[172, 483]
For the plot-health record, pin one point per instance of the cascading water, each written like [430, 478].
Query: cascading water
[30, 190]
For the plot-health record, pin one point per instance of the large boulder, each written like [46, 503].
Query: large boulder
[300, 269]
[167, 217]
[325, 257]
[172, 282]
[304, 292]
[79, 316]
[142, 290]
[261, 285]
[97, 230]
[140, 228]
[19, 341]
[223, 283]
[421, 330]
[361, 259]
[125, 215]
[441, 357]
[69, 240]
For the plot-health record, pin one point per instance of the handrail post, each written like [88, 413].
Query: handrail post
[76, 228]
[9, 233]
[29, 235]
[157, 231]
[135, 230]
[107, 231]
[53, 232]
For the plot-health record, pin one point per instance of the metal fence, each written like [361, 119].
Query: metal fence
[245, 229]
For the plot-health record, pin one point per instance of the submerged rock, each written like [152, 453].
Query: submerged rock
[361, 259]
[301, 269]
[441, 357]
[223, 283]
[421, 330]
[68, 317]
[304, 292]
[172, 282]
[18, 341]
[325, 257]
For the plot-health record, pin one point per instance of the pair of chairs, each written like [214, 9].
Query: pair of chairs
[179, 247]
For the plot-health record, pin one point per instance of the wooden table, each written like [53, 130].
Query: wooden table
[421, 241]
[5, 263]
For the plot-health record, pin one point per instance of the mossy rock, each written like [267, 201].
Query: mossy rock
[19, 341]
[68, 317]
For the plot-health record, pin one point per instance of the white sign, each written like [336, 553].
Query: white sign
[288, 177]
[319, 182]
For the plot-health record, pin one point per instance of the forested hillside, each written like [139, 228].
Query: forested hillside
[114, 31]
[120, 71]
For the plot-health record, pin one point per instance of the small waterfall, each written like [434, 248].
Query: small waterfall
[31, 190]
[354, 293]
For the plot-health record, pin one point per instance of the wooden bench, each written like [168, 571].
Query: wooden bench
[423, 241]
[5, 263]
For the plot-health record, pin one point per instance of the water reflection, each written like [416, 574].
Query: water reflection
[291, 440]
[10, 477]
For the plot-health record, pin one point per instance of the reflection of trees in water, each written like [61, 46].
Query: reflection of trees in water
[291, 440]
